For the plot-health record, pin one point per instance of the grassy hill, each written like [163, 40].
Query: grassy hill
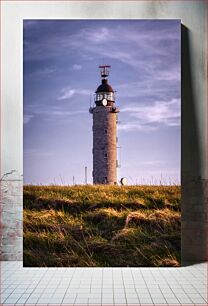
[101, 226]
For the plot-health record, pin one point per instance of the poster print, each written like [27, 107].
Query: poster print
[101, 143]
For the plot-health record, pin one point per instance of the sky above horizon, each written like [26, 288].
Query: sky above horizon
[61, 59]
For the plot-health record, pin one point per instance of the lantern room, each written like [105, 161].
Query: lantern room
[104, 94]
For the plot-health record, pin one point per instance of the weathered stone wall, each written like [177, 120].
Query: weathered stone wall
[11, 217]
[194, 241]
[104, 146]
[194, 163]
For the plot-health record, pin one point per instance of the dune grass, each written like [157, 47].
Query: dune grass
[101, 226]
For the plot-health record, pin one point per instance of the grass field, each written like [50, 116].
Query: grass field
[101, 226]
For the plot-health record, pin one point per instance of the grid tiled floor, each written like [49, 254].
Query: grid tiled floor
[103, 286]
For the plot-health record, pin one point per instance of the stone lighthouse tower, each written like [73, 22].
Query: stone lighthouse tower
[104, 132]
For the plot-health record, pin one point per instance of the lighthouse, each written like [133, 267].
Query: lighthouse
[104, 129]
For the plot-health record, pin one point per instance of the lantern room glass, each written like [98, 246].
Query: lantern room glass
[104, 95]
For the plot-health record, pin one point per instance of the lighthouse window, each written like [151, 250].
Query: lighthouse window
[99, 97]
[105, 95]
[110, 96]
[106, 131]
[106, 155]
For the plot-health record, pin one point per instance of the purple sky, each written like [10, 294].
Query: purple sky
[61, 59]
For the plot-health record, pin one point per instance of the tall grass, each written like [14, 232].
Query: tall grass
[102, 226]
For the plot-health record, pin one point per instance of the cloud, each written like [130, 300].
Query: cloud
[154, 45]
[67, 93]
[152, 162]
[156, 162]
[42, 72]
[157, 87]
[147, 48]
[37, 152]
[48, 113]
[150, 40]
[76, 67]
[98, 36]
[45, 71]
[27, 118]
[134, 126]
[169, 75]
[152, 117]
[66, 113]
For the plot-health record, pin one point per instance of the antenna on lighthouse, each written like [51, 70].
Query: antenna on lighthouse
[104, 71]
[85, 175]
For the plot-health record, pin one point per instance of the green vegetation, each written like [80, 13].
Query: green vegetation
[101, 226]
